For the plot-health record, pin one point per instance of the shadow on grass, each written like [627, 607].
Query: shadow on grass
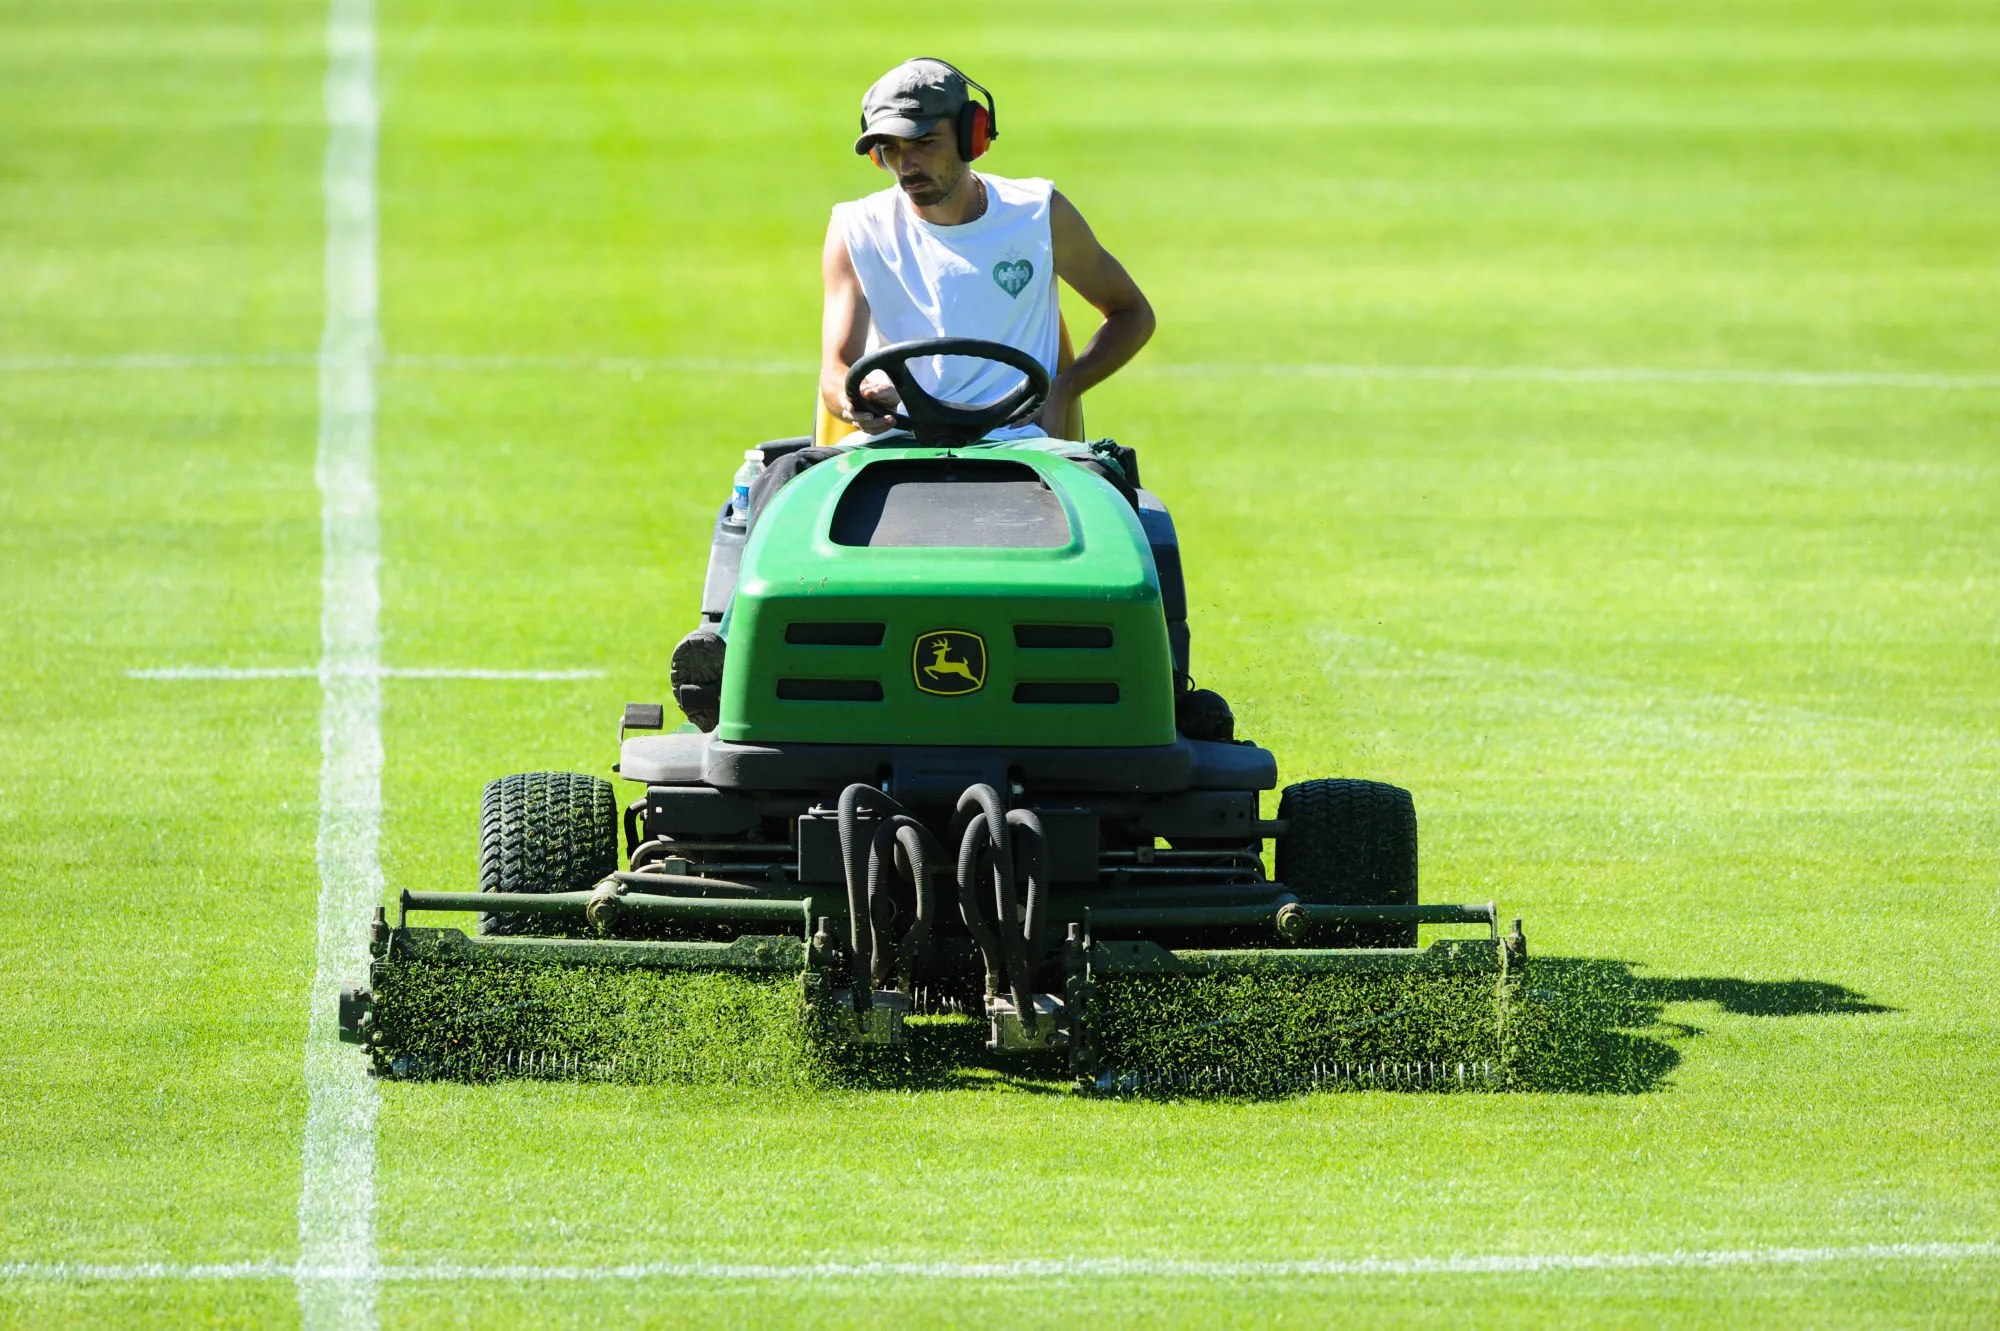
[1594, 1026]
[945, 1054]
[1582, 1026]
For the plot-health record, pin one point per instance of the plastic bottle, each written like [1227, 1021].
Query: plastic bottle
[739, 498]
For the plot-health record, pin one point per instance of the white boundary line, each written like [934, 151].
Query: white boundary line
[1100, 1267]
[337, 1271]
[1546, 374]
[323, 672]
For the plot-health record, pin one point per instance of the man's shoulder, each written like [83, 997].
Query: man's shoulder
[1033, 191]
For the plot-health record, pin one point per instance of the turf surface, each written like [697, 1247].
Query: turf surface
[1702, 678]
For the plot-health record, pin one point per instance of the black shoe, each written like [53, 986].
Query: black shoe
[696, 674]
[1202, 714]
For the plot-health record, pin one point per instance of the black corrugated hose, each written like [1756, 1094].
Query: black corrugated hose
[987, 834]
[920, 850]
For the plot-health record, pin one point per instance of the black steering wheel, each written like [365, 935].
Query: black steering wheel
[936, 422]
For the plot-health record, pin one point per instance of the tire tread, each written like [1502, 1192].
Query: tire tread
[1351, 843]
[544, 832]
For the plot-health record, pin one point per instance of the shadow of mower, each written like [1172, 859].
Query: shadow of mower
[943, 1054]
[1588, 1025]
[1582, 1026]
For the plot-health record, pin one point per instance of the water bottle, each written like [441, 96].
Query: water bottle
[739, 498]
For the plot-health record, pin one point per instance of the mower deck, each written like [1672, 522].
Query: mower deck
[945, 774]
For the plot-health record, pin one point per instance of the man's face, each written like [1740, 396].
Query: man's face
[928, 169]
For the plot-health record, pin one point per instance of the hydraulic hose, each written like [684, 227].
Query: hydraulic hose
[985, 800]
[871, 910]
[920, 851]
[988, 837]
[918, 846]
[986, 856]
[1032, 862]
[972, 849]
[854, 862]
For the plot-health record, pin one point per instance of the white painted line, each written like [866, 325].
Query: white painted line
[1027, 1269]
[1549, 374]
[337, 1275]
[354, 672]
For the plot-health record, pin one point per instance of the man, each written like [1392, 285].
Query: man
[950, 252]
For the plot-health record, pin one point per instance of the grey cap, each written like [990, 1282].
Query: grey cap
[909, 101]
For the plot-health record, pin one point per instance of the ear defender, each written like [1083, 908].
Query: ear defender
[980, 138]
[977, 125]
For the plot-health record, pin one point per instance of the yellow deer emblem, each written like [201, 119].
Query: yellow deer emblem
[949, 662]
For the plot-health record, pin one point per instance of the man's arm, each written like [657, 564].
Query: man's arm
[1100, 279]
[844, 336]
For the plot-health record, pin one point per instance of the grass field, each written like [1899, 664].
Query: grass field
[1694, 663]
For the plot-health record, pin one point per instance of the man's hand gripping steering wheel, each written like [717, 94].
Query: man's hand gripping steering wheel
[933, 420]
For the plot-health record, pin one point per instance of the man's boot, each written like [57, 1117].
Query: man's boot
[696, 674]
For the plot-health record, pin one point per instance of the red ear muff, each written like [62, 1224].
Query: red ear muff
[982, 132]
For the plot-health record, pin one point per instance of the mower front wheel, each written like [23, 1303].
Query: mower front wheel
[1351, 843]
[544, 832]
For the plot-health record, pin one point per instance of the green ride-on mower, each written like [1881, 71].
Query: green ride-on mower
[944, 787]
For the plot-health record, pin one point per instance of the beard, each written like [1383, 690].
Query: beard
[928, 191]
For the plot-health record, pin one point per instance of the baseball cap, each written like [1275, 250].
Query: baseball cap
[908, 101]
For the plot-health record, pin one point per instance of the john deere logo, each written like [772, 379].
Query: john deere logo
[949, 662]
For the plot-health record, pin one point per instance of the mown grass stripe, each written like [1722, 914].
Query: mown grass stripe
[1544, 374]
[379, 672]
[1026, 1269]
[336, 1274]
[1592, 374]
[158, 360]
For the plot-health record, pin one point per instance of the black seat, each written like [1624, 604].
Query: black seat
[778, 448]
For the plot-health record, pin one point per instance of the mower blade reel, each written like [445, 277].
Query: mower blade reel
[444, 1004]
[1266, 1020]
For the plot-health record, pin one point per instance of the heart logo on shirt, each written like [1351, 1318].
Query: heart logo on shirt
[1013, 275]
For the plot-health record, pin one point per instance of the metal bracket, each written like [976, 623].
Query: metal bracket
[880, 1023]
[1047, 1027]
[357, 1015]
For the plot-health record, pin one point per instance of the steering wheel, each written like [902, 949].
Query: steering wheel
[935, 421]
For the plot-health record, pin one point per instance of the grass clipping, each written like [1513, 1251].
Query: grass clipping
[477, 1020]
[1254, 1032]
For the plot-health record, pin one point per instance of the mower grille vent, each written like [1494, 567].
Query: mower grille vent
[1062, 635]
[834, 635]
[1064, 691]
[830, 690]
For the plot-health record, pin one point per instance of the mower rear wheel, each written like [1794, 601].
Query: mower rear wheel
[1351, 843]
[544, 832]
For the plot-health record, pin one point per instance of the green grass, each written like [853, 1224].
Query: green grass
[1701, 679]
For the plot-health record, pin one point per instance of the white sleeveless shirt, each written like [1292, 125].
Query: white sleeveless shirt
[993, 278]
